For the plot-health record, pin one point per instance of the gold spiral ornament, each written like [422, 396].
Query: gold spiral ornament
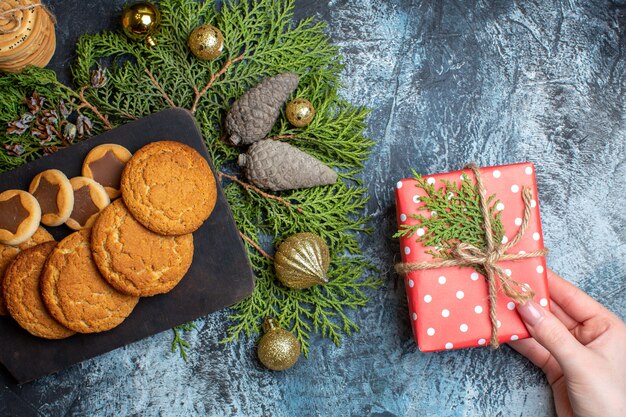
[27, 35]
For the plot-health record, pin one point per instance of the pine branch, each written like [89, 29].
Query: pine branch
[86, 104]
[179, 343]
[158, 86]
[257, 190]
[453, 215]
[256, 246]
[209, 84]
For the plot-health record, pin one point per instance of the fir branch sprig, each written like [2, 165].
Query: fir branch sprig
[452, 215]
[179, 343]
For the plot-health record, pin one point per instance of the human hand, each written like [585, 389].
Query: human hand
[581, 347]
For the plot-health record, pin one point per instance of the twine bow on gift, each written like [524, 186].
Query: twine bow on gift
[467, 255]
[12, 16]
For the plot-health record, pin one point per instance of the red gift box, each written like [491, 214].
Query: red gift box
[449, 307]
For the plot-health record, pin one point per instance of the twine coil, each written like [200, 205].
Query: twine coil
[467, 255]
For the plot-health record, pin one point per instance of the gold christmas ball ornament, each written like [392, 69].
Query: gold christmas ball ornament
[140, 22]
[206, 42]
[302, 261]
[278, 349]
[300, 112]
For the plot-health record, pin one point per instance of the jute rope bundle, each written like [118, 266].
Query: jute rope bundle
[467, 255]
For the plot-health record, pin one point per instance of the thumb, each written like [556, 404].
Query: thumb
[552, 334]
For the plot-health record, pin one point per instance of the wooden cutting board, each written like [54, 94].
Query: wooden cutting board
[220, 274]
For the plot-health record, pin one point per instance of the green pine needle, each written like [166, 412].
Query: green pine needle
[179, 343]
[454, 216]
[271, 43]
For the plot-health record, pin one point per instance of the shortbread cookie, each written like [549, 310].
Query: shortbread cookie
[135, 260]
[20, 215]
[169, 188]
[54, 193]
[76, 294]
[104, 164]
[8, 253]
[23, 297]
[89, 199]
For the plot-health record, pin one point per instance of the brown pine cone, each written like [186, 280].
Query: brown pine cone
[278, 166]
[252, 116]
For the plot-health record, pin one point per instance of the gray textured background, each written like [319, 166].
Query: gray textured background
[448, 81]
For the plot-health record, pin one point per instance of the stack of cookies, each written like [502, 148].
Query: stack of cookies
[26, 35]
[138, 246]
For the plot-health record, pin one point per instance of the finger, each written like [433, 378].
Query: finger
[539, 356]
[551, 334]
[572, 299]
[565, 318]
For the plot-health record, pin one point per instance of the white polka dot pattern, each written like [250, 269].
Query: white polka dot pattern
[449, 307]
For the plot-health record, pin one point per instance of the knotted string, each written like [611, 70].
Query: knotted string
[467, 255]
[14, 17]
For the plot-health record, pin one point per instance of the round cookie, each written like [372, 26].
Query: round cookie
[23, 297]
[76, 294]
[104, 164]
[40, 236]
[8, 253]
[135, 260]
[169, 188]
[54, 193]
[89, 199]
[20, 215]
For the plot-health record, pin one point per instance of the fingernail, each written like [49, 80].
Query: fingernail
[531, 313]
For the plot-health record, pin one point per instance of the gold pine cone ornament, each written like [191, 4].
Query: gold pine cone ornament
[206, 42]
[300, 112]
[278, 349]
[141, 21]
[302, 261]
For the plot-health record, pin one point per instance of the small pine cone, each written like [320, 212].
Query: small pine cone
[253, 116]
[278, 166]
